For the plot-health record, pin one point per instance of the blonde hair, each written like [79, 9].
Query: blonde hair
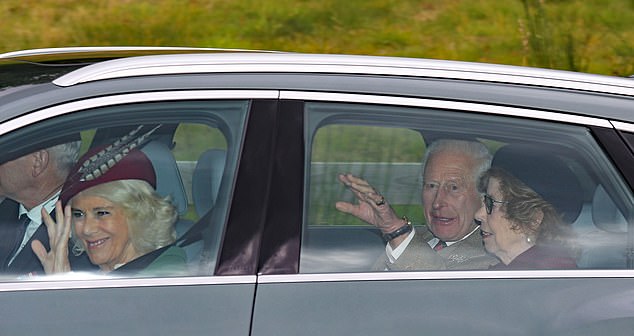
[150, 217]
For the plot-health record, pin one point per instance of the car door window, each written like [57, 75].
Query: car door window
[385, 146]
[193, 148]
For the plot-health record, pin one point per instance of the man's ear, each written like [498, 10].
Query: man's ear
[40, 162]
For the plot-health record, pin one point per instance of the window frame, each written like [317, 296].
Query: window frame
[18, 126]
[595, 125]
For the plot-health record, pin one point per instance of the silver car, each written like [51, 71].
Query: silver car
[249, 150]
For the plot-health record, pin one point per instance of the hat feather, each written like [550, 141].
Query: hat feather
[101, 162]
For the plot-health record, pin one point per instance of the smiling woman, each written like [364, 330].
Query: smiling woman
[116, 216]
[101, 228]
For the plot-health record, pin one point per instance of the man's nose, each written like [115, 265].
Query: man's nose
[439, 198]
[480, 214]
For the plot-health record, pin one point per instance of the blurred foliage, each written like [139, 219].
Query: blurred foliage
[191, 140]
[582, 35]
[346, 143]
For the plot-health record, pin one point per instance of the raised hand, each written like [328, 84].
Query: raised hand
[371, 206]
[55, 260]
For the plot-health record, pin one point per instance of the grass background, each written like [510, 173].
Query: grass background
[582, 35]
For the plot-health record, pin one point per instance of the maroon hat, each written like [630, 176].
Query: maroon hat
[100, 165]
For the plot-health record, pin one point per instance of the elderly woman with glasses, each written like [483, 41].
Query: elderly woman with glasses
[519, 226]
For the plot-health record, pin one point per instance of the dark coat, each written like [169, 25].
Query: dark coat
[26, 262]
[540, 257]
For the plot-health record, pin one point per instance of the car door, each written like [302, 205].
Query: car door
[209, 153]
[337, 288]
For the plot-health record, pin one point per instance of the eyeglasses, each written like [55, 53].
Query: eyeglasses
[489, 201]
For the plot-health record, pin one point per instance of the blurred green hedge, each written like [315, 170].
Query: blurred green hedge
[581, 35]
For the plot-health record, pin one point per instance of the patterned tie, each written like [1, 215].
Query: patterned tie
[441, 244]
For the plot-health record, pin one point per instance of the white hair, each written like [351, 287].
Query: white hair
[65, 156]
[473, 149]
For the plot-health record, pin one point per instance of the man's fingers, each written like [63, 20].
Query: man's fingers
[352, 209]
[373, 198]
[362, 189]
[359, 195]
[355, 179]
[343, 179]
[345, 207]
[354, 182]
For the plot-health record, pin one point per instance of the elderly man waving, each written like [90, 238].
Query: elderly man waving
[451, 239]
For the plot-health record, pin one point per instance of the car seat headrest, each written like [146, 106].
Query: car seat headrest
[168, 178]
[605, 214]
[206, 179]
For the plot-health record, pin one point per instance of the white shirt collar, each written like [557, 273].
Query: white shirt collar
[35, 214]
[432, 242]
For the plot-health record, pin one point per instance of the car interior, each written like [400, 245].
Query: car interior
[592, 197]
[586, 204]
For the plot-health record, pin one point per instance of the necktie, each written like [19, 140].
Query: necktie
[441, 244]
[23, 222]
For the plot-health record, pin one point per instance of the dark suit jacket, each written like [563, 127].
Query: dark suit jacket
[8, 228]
[26, 262]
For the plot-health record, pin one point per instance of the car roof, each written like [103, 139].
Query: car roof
[73, 54]
[36, 66]
[344, 64]
[45, 73]
[74, 65]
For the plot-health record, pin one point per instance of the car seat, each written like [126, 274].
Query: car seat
[206, 179]
[169, 182]
[168, 178]
[604, 243]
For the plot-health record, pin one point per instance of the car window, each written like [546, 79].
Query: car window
[193, 149]
[384, 145]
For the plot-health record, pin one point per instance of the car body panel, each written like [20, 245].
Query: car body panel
[573, 102]
[106, 307]
[495, 303]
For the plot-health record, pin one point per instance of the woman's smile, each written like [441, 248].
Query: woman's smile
[102, 227]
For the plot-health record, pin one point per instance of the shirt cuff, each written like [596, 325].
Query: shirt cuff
[394, 254]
